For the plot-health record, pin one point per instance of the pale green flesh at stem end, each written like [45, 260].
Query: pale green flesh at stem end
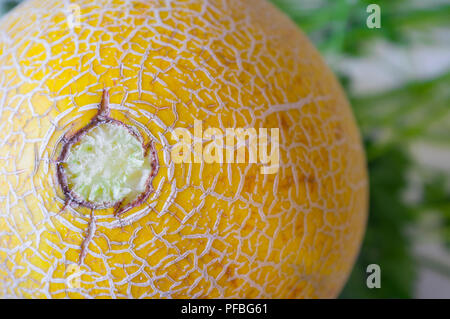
[107, 165]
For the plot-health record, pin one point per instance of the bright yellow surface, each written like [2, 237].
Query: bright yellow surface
[208, 230]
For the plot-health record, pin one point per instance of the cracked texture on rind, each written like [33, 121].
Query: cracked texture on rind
[207, 230]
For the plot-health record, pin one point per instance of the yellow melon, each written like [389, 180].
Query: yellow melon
[200, 229]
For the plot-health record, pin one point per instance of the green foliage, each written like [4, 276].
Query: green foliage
[437, 199]
[339, 26]
[385, 243]
[390, 122]
[407, 114]
[6, 5]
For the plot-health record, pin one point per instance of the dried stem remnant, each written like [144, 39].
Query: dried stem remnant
[106, 164]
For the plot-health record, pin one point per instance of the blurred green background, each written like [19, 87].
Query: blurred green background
[398, 80]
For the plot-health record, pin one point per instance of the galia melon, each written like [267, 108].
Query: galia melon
[92, 202]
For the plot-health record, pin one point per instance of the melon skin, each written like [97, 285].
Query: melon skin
[207, 230]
